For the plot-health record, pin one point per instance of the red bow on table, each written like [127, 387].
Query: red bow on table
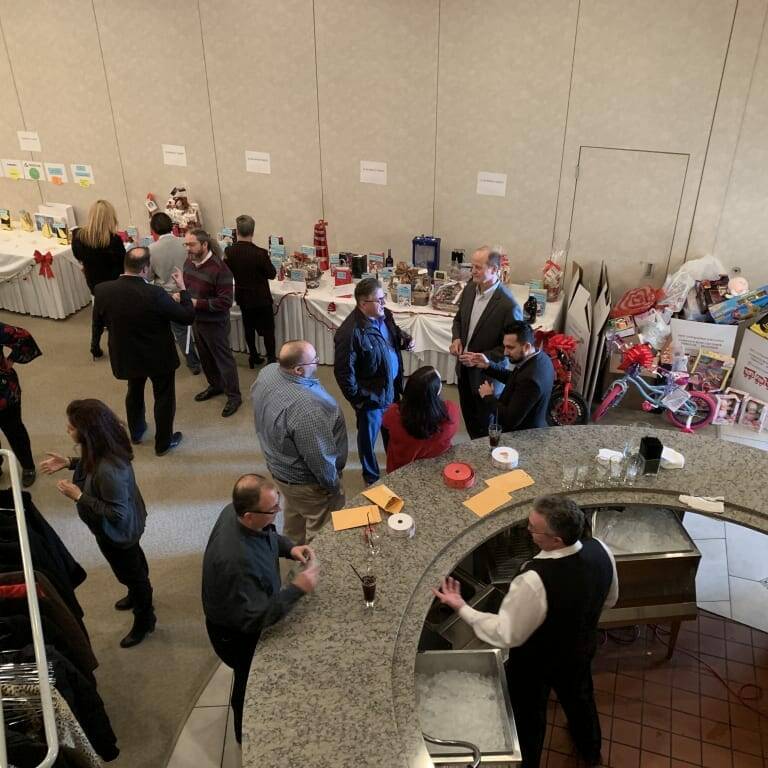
[44, 260]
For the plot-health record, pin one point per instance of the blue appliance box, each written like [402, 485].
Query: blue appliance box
[426, 252]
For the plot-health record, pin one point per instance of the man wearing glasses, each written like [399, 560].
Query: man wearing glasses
[368, 366]
[548, 620]
[304, 439]
[242, 595]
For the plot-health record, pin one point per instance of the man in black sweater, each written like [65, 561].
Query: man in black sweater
[524, 401]
[253, 270]
[242, 595]
[548, 619]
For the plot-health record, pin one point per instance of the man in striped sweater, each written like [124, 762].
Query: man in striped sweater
[211, 286]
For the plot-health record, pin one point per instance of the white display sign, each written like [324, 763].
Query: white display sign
[175, 154]
[29, 141]
[56, 173]
[751, 371]
[372, 172]
[258, 162]
[693, 336]
[493, 184]
[82, 174]
[12, 169]
[33, 170]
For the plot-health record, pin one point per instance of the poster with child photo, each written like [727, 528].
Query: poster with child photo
[753, 413]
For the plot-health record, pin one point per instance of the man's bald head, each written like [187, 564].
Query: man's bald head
[248, 493]
[298, 357]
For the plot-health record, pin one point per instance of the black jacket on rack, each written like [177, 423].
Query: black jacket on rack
[49, 554]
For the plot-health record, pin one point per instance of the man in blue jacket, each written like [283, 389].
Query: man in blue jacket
[368, 366]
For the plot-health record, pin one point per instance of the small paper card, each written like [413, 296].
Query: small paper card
[511, 481]
[388, 500]
[355, 517]
[486, 501]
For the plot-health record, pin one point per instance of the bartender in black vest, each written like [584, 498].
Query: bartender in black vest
[548, 620]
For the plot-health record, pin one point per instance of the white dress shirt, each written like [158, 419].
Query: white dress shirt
[524, 607]
[478, 307]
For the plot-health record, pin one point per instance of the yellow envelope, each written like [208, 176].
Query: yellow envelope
[355, 517]
[486, 501]
[511, 481]
[388, 500]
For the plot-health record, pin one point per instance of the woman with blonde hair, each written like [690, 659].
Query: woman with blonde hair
[100, 251]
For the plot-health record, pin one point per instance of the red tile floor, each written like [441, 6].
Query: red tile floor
[674, 714]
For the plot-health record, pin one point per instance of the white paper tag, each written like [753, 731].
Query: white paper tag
[372, 172]
[175, 154]
[258, 162]
[493, 184]
[676, 399]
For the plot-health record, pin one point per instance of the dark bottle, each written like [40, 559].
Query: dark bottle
[530, 309]
[389, 262]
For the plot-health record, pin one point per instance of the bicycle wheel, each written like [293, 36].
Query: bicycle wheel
[565, 413]
[612, 397]
[705, 412]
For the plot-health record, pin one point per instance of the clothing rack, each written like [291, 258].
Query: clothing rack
[46, 698]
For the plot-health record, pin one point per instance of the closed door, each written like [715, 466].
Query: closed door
[625, 213]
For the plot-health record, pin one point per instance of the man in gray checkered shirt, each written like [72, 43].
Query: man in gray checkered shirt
[304, 439]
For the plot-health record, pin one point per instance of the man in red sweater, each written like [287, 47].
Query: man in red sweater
[211, 286]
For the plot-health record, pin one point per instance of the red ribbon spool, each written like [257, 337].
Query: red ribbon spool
[459, 475]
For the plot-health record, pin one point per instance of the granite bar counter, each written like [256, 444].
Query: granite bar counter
[333, 685]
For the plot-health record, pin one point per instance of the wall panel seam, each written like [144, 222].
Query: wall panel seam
[565, 126]
[729, 182]
[711, 129]
[210, 112]
[437, 107]
[317, 100]
[111, 110]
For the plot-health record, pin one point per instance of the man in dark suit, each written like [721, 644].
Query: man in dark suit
[485, 307]
[138, 316]
[525, 400]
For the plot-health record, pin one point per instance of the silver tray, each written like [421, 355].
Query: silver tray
[490, 662]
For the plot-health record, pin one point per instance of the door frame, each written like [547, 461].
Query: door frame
[582, 147]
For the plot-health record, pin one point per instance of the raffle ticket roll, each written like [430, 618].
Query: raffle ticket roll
[401, 525]
[504, 458]
[459, 475]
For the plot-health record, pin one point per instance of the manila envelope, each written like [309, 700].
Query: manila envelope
[511, 481]
[388, 500]
[355, 517]
[486, 501]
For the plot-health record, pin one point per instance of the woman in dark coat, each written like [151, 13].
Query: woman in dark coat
[109, 503]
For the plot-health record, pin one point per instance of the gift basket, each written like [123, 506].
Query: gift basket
[446, 297]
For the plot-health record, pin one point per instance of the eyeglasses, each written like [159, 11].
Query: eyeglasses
[379, 300]
[311, 362]
[532, 531]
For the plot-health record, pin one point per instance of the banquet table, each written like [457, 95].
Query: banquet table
[304, 314]
[29, 287]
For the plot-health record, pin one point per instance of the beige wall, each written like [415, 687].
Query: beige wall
[437, 89]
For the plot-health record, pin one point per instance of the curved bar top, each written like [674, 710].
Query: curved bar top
[333, 685]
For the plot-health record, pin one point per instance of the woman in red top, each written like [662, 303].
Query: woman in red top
[421, 425]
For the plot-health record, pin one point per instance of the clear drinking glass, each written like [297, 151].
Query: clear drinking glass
[369, 588]
[634, 468]
[494, 434]
[582, 476]
[569, 476]
[615, 470]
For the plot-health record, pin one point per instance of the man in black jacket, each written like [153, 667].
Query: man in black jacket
[524, 401]
[242, 594]
[368, 366]
[141, 346]
[485, 307]
[252, 271]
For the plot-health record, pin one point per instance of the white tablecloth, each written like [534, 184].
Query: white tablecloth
[22, 287]
[307, 317]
